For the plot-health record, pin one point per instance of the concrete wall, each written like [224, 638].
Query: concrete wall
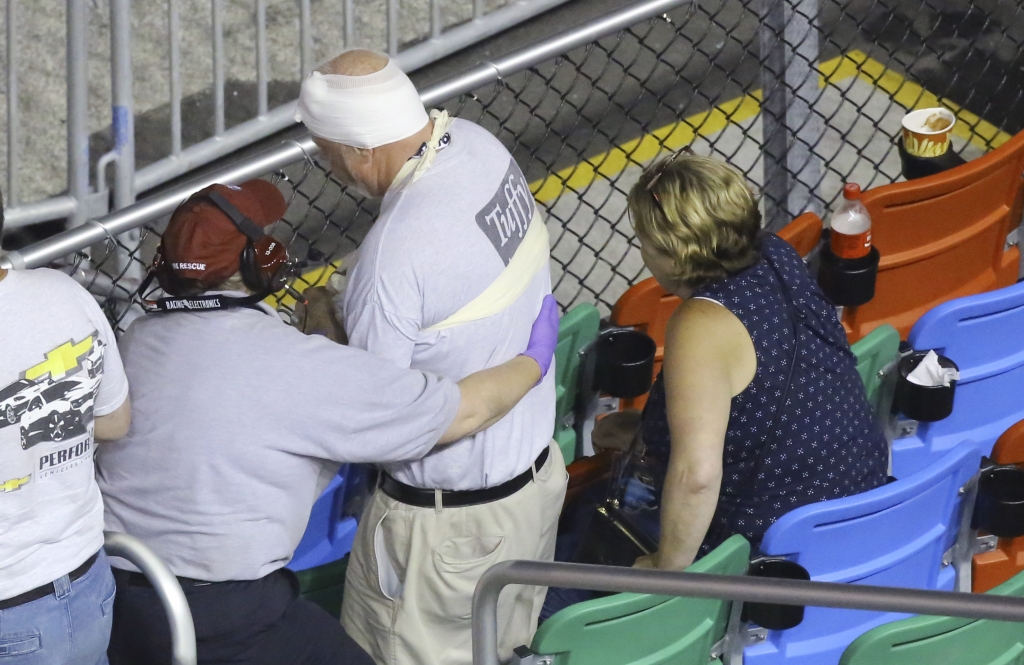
[42, 85]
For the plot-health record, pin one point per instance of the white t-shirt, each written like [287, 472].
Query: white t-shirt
[59, 367]
[238, 422]
[437, 244]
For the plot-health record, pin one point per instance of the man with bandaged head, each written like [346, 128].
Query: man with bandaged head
[449, 279]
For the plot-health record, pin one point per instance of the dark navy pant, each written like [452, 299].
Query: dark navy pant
[258, 622]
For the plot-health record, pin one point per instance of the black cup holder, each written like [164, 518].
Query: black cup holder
[848, 282]
[624, 366]
[924, 403]
[770, 615]
[999, 509]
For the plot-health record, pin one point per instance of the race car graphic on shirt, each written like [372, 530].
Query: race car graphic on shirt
[53, 400]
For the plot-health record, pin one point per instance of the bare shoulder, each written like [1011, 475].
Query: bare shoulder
[704, 325]
[703, 336]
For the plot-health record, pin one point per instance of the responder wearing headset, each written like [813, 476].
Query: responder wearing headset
[240, 421]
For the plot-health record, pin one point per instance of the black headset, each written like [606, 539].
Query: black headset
[262, 257]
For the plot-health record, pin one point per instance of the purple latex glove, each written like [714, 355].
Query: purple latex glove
[544, 335]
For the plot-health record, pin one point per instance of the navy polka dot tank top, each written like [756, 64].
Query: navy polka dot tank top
[824, 443]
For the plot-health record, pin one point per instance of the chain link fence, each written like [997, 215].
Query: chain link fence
[801, 95]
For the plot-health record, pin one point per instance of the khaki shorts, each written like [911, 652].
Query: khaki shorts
[410, 582]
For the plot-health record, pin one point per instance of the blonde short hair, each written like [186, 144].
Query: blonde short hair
[708, 221]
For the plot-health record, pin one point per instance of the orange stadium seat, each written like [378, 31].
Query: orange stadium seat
[942, 237]
[647, 307]
[990, 569]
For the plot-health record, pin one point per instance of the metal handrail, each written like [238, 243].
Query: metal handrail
[82, 200]
[134, 216]
[183, 632]
[725, 587]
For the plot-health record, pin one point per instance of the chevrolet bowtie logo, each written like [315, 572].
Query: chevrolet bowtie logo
[14, 484]
[60, 361]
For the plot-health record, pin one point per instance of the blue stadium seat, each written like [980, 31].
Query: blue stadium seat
[984, 335]
[331, 529]
[895, 535]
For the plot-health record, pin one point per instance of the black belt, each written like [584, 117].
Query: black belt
[425, 498]
[48, 588]
[131, 578]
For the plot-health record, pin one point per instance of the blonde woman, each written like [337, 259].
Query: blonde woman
[758, 409]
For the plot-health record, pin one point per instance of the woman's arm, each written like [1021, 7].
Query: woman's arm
[709, 358]
[488, 395]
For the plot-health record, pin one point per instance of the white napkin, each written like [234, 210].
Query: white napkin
[930, 373]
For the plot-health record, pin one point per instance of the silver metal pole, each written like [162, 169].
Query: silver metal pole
[13, 115]
[494, 70]
[218, 68]
[435, 18]
[788, 39]
[726, 587]
[393, 30]
[123, 122]
[40, 211]
[146, 210]
[306, 39]
[261, 57]
[174, 37]
[78, 106]
[183, 632]
[350, 24]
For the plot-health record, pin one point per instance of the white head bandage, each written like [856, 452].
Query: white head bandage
[361, 111]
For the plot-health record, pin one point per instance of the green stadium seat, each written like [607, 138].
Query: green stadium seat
[325, 585]
[874, 352]
[576, 331]
[640, 629]
[927, 640]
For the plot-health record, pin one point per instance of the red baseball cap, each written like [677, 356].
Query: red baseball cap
[202, 243]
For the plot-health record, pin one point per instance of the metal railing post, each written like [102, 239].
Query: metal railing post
[13, 115]
[123, 123]
[350, 24]
[305, 39]
[723, 587]
[393, 28]
[78, 106]
[261, 58]
[183, 632]
[218, 67]
[788, 39]
[174, 75]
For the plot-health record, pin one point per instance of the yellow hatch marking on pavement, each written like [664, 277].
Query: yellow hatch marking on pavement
[912, 96]
[906, 93]
[313, 277]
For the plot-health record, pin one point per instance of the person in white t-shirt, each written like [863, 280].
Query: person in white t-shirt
[62, 388]
[448, 280]
[240, 421]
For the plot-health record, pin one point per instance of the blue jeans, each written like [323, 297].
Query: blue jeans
[69, 627]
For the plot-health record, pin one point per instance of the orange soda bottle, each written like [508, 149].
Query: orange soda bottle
[851, 226]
